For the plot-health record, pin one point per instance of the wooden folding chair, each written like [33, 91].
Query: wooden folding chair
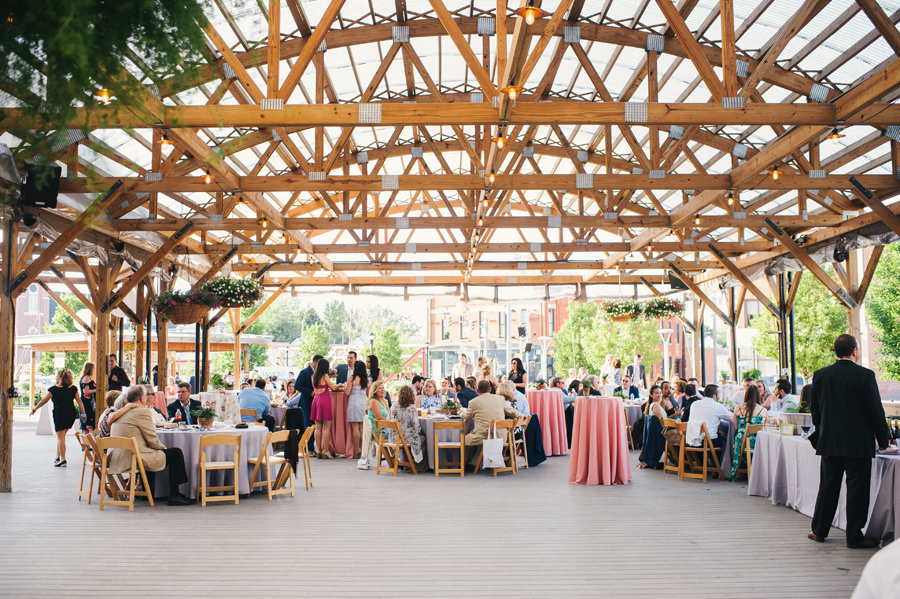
[204, 466]
[303, 453]
[628, 428]
[745, 451]
[697, 458]
[252, 413]
[89, 461]
[391, 451]
[113, 485]
[267, 460]
[508, 444]
[137, 467]
[672, 453]
[461, 446]
[523, 422]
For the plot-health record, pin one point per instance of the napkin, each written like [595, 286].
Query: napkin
[219, 424]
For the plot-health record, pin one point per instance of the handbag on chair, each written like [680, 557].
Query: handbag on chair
[493, 450]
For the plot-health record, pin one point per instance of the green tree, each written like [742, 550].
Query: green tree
[820, 317]
[387, 348]
[223, 361]
[62, 322]
[570, 340]
[623, 340]
[314, 340]
[285, 320]
[883, 303]
[334, 320]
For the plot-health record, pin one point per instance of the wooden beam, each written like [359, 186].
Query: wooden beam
[65, 307]
[252, 318]
[690, 45]
[313, 42]
[739, 306]
[134, 280]
[729, 51]
[860, 99]
[869, 273]
[243, 76]
[8, 262]
[877, 206]
[810, 264]
[699, 294]
[745, 281]
[792, 293]
[882, 23]
[215, 268]
[81, 223]
[465, 50]
[75, 291]
[273, 50]
[544, 39]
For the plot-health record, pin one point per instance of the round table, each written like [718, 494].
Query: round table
[252, 440]
[633, 413]
[599, 443]
[277, 412]
[341, 435]
[547, 404]
[224, 402]
[444, 436]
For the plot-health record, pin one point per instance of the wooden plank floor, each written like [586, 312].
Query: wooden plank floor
[355, 534]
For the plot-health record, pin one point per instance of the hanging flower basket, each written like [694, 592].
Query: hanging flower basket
[187, 313]
[621, 310]
[234, 293]
[662, 307]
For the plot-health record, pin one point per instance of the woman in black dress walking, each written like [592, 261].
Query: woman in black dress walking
[63, 394]
[88, 389]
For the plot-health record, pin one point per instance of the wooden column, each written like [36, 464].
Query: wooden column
[697, 357]
[141, 311]
[8, 261]
[732, 338]
[246, 349]
[162, 343]
[853, 314]
[31, 394]
[101, 336]
[236, 318]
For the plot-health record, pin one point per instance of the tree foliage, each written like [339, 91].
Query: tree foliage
[571, 339]
[223, 361]
[883, 303]
[59, 54]
[387, 348]
[819, 319]
[314, 340]
[62, 322]
[286, 320]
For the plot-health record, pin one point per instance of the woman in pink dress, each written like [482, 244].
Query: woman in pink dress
[321, 408]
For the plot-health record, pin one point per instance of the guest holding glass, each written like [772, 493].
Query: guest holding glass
[404, 413]
[64, 395]
[358, 393]
[320, 411]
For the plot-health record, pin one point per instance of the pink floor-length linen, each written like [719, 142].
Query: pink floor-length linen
[599, 443]
[161, 401]
[341, 435]
[547, 404]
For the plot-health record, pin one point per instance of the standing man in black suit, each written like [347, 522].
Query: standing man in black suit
[847, 413]
[637, 372]
[303, 385]
[344, 369]
[184, 405]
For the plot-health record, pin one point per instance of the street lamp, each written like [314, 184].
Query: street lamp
[425, 360]
[665, 336]
[545, 345]
[371, 343]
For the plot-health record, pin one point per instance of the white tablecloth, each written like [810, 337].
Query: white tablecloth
[786, 471]
[225, 402]
[188, 441]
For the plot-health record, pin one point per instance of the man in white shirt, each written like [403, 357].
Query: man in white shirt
[738, 397]
[570, 378]
[637, 372]
[463, 370]
[709, 410]
[784, 398]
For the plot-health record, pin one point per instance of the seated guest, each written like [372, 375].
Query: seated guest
[171, 389]
[654, 442]
[783, 398]
[678, 393]
[628, 390]
[472, 383]
[255, 398]
[768, 398]
[404, 413]
[447, 388]
[418, 382]
[159, 419]
[429, 397]
[183, 405]
[484, 409]
[507, 392]
[572, 393]
[690, 396]
[693, 381]
[289, 393]
[487, 376]
[464, 394]
[749, 412]
[708, 410]
[596, 388]
[521, 402]
[570, 378]
[138, 425]
[103, 423]
[738, 396]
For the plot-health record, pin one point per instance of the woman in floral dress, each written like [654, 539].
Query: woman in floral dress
[752, 407]
[429, 398]
[405, 414]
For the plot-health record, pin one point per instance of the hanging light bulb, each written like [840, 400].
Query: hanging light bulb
[530, 13]
[775, 173]
[500, 141]
[492, 177]
[512, 91]
[484, 202]
[208, 177]
[697, 220]
[835, 136]
[165, 141]
[730, 197]
[263, 222]
[480, 222]
[104, 95]
[240, 201]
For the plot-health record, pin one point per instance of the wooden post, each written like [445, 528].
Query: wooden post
[246, 349]
[8, 262]
[101, 337]
[236, 318]
[732, 339]
[853, 314]
[162, 342]
[697, 357]
[139, 337]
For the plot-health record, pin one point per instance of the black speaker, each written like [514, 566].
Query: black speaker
[41, 185]
[674, 282]
[522, 332]
[527, 348]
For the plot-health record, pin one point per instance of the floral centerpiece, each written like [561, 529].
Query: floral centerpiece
[662, 307]
[185, 307]
[540, 384]
[621, 310]
[205, 417]
[449, 407]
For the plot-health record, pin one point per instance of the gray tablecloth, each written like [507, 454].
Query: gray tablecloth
[445, 436]
[633, 413]
[188, 441]
[277, 414]
[786, 471]
[729, 447]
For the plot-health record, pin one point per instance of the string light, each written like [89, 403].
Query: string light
[697, 220]
[263, 222]
[512, 91]
[492, 177]
[104, 96]
[775, 173]
[165, 141]
[530, 13]
[835, 136]
[208, 177]
[500, 141]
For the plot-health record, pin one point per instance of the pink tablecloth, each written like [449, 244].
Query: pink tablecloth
[161, 401]
[341, 436]
[599, 443]
[547, 404]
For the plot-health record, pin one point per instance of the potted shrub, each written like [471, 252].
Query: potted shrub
[449, 407]
[586, 386]
[540, 384]
[621, 310]
[205, 417]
